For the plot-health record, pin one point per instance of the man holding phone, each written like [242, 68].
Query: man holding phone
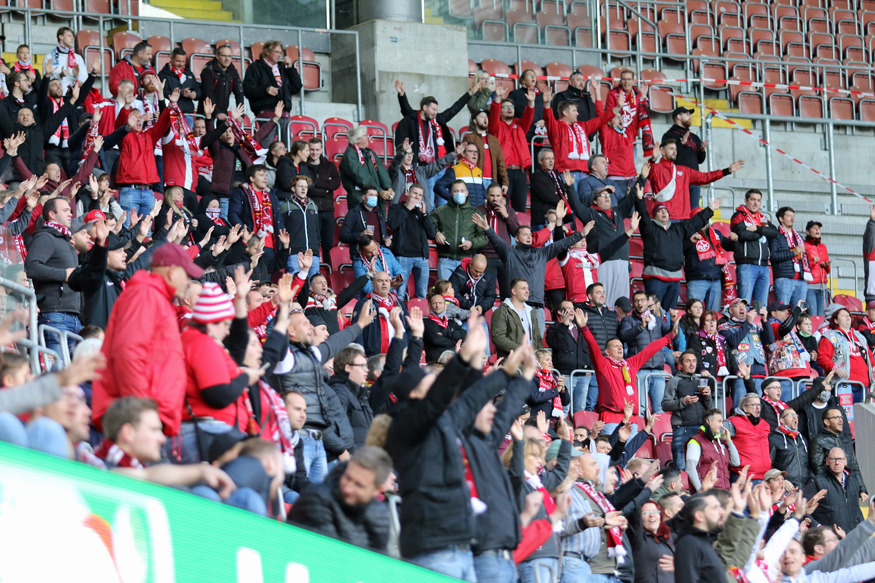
[412, 228]
[687, 396]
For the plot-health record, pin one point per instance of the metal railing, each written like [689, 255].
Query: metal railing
[208, 25]
[724, 385]
[578, 372]
[29, 296]
[834, 276]
[64, 338]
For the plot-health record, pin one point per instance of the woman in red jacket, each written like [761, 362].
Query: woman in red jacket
[845, 351]
[216, 392]
[818, 258]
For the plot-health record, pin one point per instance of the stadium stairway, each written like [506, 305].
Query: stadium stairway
[196, 9]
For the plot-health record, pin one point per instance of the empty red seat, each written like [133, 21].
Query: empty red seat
[303, 127]
[310, 69]
[255, 50]
[334, 147]
[733, 38]
[811, 106]
[581, 29]
[782, 104]
[375, 128]
[501, 71]
[123, 43]
[867, 109]
[336, 127]
[750, 102]
[850, 302]
[661, 101]
[559, 70]
[553, 28]
[199, 52]
[841, 108]
[88, 42]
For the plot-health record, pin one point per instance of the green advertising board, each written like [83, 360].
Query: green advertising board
[66, 521]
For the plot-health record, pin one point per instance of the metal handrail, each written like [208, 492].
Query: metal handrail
[843, 260]
[642, 395]
[30, 297]
[35, 351]
[723, 384]
[577, 371]
[63, 338]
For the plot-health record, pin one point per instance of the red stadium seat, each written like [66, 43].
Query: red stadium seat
[495, 67]
[852, 303]
[310, 70]
[554, 31]
[88, 43]
[333, 147]
[841, 108]
[559, 70]
[782, 104]
[123, 43]
[585, 419]
[660, 101]
[811, 106]
[255, 50]
[303, 127]
[581, 29]
[335, 127]
[199, 52]
[339, 259]
[750, 102]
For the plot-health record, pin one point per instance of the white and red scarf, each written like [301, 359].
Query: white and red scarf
[560, 190]
[178, 72]
[361, 156]
[247, 142]
[614, 535]
[547, 382]
[588, 264]
[62, 134]
[869, 325]
[19, 66]
[323, 302]
[182, 133]
[441, 320]
[115, 457]
[578, 142]
[277, 75]
[623, 365]
[62, 229]
[276, 426]
[477, 505]
[451, 300]
[778, 406]
[709, 247]
[384, 308]
[534, 480]
[800, 264]
[369, 263]
[148, 106]
[262, 210]
[426, 145]
[717, 339]
[755, 219]
[71, 56]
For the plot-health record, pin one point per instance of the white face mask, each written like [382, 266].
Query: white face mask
[213, 213]
[824, 396]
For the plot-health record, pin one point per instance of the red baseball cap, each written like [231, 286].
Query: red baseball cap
[171, 254]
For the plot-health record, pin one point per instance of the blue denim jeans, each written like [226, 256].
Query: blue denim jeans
[574, 570]
[592, 394]
[224, 205]
[739, 390]
[418, 266]
[710, 292]
[142, 199]
[790, 291]
[450, 562]
[64, 322]
[579, 390]
[446, 267]
[653, 387]
[602, 579]
[679, 437]
[314, 458]
[666, 291]
[817, 300]
[547, 570]
[294, 266]
[493, 569]
[753, 283]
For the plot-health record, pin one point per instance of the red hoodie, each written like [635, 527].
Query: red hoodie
[136, 164]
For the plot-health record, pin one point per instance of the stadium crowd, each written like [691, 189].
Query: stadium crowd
[187, 252]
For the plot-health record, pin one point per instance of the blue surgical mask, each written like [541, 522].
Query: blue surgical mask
[459, 197]
[371, 201]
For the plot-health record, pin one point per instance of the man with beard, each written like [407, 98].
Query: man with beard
[503, 220]
[691, 149]
[490, 157]
[695, 558]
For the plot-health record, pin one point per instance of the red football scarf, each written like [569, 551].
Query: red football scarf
[578, 143]
[614, 535]
[71, 56]
[59, 228]
[787, 431]
[114, 455]
[247, 142]
[709, 247]
[277, 76]
[369, 263]
[384, 308]
[19, 66]
[182, 133]
[178, 72]
[547, 382]
[534, 481]
[63, 131]
[778, 405]
[627, 373]
[748, 217]
[426, 146]
[262, 210]
[800, 264]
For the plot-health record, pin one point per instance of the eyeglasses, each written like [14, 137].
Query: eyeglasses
[649, 512]
[362, 365]
[833, 417]
[296, 311]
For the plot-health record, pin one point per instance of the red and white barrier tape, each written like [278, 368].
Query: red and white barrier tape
[746, 131]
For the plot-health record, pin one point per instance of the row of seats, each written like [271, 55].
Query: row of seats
[112, 7]
[199, 52]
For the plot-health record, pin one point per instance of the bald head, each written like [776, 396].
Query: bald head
[477, 266]
[382, 283]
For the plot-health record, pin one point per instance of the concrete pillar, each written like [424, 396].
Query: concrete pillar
[398, 10]
[430, 59]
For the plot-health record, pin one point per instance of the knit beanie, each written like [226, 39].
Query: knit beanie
[213, 305]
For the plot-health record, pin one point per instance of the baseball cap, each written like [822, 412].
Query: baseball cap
[679, 110]
[736, 300]
[553, 450]
[777, 307]
[772, 474]
[623, 303]
[172, 254]
[810, 224]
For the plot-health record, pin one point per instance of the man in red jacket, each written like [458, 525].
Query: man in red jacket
[143, 346]
[617, 375]
[751, 438]
[506, 124]
[137, 171]
[569, 138]
[671, 183]
[635, 109]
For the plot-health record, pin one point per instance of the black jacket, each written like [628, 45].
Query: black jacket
[664, 248]
[171, 82]
[608, 227]
[521, 102]
[602, 323]
[285, 172]
[49, 255]
[749, 248]
[326, 179]
[380, 397]
[354, 401]
[781, 257]
[637, 338]
[647, 550]
[498, 527]
[345, 296]
[695, 268]
[811, 419]
[581, 98]
[841, 505]
[218, 85]
[321, 509]
[568, 354]
[790, 455]
[423, 441]
[302, 225]
[695, 559]
[437, 338]
[679, 386]
[690, 155]
[819, 450]
[371, 337]
[259, 77]
[408, 127]
[411, 231]
[769, 414]
[482, 294]
[545, 195]
[706, 354]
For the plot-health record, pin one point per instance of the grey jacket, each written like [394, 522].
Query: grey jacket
[23, 398]
[530, 263]
[638, 338]
[678, 387]
[49, 256]
[422, 172]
